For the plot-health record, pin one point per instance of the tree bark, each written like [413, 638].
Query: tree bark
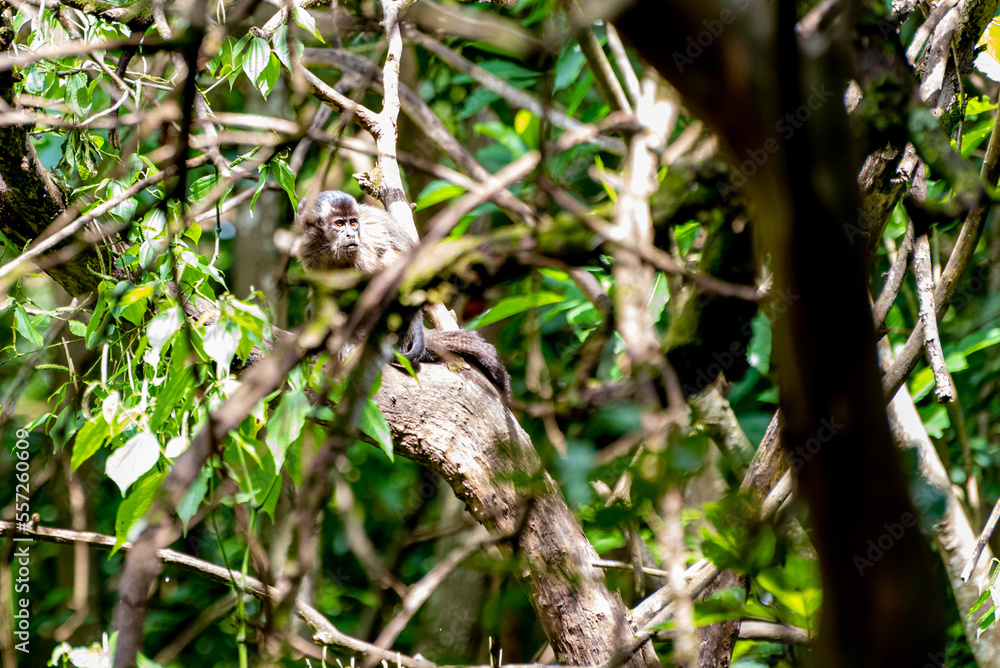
[456, 425]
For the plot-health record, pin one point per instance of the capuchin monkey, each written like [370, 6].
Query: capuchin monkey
[336, 232]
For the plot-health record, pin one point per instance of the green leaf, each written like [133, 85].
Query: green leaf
[95, 328]
[686, 234]
[201, 187]
[194, 496]
[89, 439]
[759, 348]
[248, 316]
[126, 209]
[987, 621]
[974, 134]
[512, 73]
[406, 364]
[172, 394]
[78, 94]
[923, 381]
[579, 92]
[568, 67]
[22, 323]
[528, 126]
[238, 52]
[269, 77]
[612, 193]
[978, 105]
[657, 301]
[261, 182]
[479, 98]
[215, 62]
[135, 506]
[307, 22]
[983, 597]
[285, 177]
[279, 40]
[979, 340]
[436, 192]
[256, 59]
[193, 232]
[135, 294]
[135, 313]
[266, 484]
[721, 606]
[374, 425]
[513, 305]
[506, 136]
[285, 425]
[133, 460]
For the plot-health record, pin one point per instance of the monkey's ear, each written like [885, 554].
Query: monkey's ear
[307, 204]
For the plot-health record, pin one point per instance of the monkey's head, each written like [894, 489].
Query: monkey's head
[329, 231]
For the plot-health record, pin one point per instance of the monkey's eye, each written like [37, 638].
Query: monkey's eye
[354, 222]
[339, 222]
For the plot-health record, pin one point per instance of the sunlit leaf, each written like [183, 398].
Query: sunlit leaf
[129, 462]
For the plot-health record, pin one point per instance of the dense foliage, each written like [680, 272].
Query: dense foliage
[111, 388]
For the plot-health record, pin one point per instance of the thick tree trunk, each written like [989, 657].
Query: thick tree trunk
[805, 194]
[456, 425]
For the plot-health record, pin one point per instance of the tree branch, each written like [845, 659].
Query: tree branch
[514, 96]
[324, 629]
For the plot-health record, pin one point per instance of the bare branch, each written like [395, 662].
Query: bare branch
[961, 256]
[604, 75]
[514, 96]
[944, 390]
[893, 281]
[321, 625]
[656, 257]
[423, 117]
[768, 631]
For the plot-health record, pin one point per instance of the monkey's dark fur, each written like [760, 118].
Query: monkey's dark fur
[336, 232]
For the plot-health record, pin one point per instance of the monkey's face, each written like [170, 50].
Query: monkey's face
[331, 231]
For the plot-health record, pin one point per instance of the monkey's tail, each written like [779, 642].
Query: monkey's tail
[471, 347]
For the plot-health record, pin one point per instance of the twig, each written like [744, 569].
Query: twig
[75, 226]
[893, 281]
[280, 18]
[959, 261]
[783, 633]
[514, 96]
[9, 61]
[81, 557]
[621, 58]
[944, 390]
[422, 115]
[659, 259]
[421, 591]
[204, 619]
[388, 182]
[984, 537]
[957, 418]
[235, 201]
[366, 117]
[604, 75]
[358, 541]
[611, 563]
[323, 627]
